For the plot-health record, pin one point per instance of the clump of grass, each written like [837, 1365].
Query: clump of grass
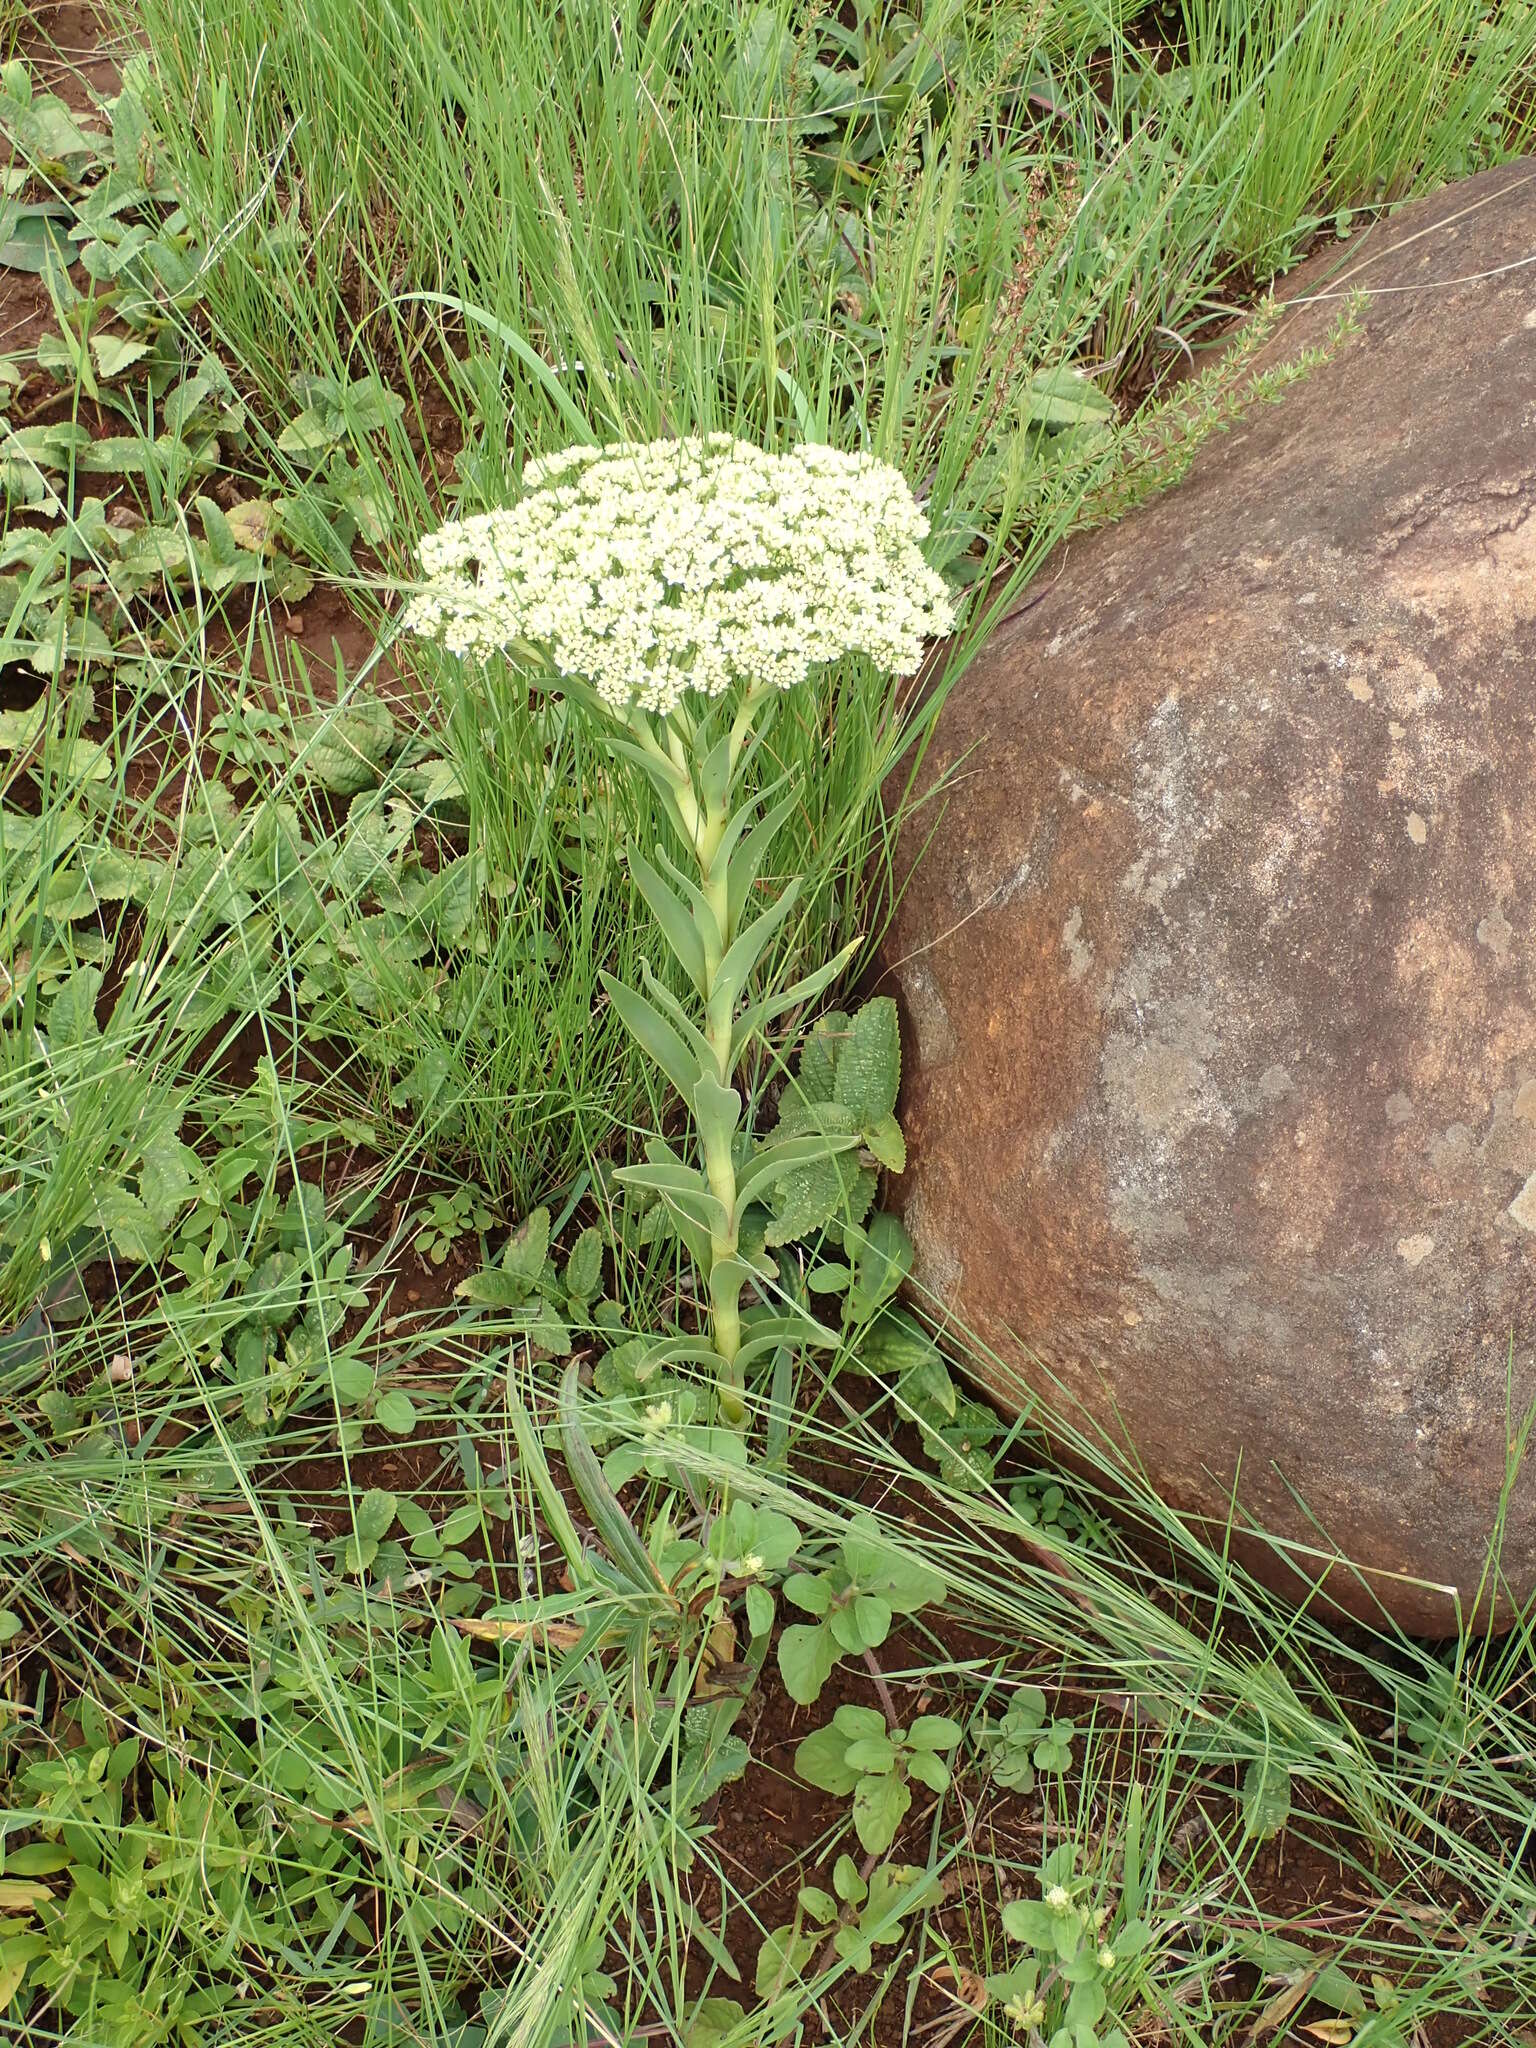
[885, 231]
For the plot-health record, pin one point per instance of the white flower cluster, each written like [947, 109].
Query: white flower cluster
[651, 568]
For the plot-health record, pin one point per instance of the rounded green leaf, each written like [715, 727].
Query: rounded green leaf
[855, 1949]
[1085, 2007]
[461, 1524]
[1012, 1769]
[396, 1412]
[929, 1770]
[1031, 1921]
[933, 1731]
[812, 1594]
[879, 1808]
[1054, 1751]
[875, 1753]
[1131, 1939]
[872, 1616]
[822, 1760]
[759, 1611]
[352, 1378]
[843, 1626]
[776, 1539]
[806, 1657]
[782, 1957]
[375, 1513]
[857, 1722]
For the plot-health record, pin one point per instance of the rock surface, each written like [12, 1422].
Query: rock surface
[1218, 976]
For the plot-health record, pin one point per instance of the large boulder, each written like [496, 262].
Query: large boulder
[1219, 972]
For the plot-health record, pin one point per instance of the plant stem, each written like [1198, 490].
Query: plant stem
[704, 818]
[725, 1272]
[888, 1705]
[828, 1955]
[710, 823]
[719, 1164]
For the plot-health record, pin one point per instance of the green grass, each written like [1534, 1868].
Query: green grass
[329, 1709]
[544, 222]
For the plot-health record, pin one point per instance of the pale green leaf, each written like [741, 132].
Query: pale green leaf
[1064, 397]
[72, 1013]
[759, 1605]
[672, 918]
[654, 1034]
[396, 1412]
[886, 1142]
[374, 1514]
[346, 749]
[252, 524]
[117, 353]
[584, 1267]
[784, 1954]
[879, 1807]
[168, 1174]
[869, 1063]
[821, 1759]
[310, 434]
[134, 1233]
[807, 1654]
[21, 730]
[1266, 1798]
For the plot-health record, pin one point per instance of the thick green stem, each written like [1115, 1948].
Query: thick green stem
[716, 892]
[704, 826]
[719, 1165]
[724, 1270]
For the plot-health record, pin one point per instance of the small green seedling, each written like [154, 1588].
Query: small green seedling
[750, 1545]
[1432, 1714]
[863, 1916]
[1023, 1742]
[1061, 1988]
[1042, 1504]
[857, 1753]
[526, 1285]
[747, 1549]
[853, 1602]
[448, 1217]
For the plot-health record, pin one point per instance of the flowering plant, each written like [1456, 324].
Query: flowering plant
[680, 587]
[1076, 1960]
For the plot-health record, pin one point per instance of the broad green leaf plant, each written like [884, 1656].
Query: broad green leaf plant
[1077, 1956]
[865, 1914]
[679, 588]
[857, 1753]
[1025, 1741]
